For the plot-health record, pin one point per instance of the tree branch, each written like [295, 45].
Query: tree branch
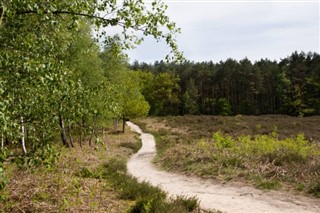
[112, 21]
[63, 12]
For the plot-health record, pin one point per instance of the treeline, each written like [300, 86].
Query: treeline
[290, 86]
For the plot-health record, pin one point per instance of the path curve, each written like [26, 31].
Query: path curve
[224, 197]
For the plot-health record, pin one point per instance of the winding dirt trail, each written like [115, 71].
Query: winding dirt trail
[224, 197]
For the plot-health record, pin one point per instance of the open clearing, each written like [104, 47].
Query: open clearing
[230, 197]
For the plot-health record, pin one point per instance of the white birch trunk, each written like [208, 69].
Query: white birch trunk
[23, 144]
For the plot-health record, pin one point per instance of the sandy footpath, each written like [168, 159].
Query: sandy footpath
[224, 197]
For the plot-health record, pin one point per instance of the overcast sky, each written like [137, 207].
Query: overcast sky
[217, 30]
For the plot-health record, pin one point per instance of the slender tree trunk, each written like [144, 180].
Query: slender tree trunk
[42, 135]
[23, 144]
[84, 131]
[95, 132]
[2, 142]
[115, 124]
[6, 141]
[70, 136]
[103, 134]
[91, 136]
[123, 124]
[63, 131]
[80, 139]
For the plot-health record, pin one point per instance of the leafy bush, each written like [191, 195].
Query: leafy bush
[222, 141]
[223, 107]
[44, 154]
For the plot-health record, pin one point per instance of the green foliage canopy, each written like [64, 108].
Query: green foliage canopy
[51, 72]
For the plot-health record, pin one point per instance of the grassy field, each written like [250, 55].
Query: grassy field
[88, 179]
[270, 152]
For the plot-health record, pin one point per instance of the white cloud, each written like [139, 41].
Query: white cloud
[216, 31]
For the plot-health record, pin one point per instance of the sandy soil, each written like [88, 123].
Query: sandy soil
[233, 198]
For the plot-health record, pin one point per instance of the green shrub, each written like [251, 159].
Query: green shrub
[232, 161]
[115, 166]
[132, 189]
[223, 141]
[223, 107]
[266, 148]
[268, 184]
[315, 189]
[134, 146]
[180, 204]
[275, 160]
[86, 173]
[189, 203]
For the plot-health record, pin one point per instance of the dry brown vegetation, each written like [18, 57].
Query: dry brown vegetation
[61, 189]
[262, 150]
[88, 179]
[203, 126]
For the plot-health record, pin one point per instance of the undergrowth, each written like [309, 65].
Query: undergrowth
[85, 180]
[54, 180]
[147, 198]
[269, 159]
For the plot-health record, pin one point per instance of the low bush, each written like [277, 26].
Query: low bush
[147, 198]
[179, 204]
[190, 203]
[130, 145]
[274, 160]
[315, 189]
[267, 184]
